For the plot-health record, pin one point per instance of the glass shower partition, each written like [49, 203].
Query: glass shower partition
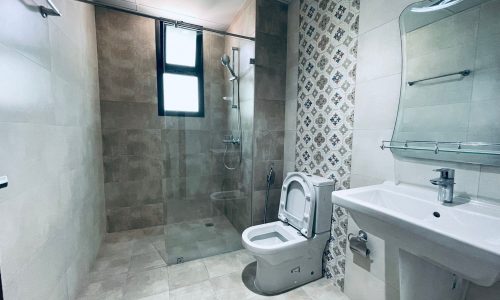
[208, 160]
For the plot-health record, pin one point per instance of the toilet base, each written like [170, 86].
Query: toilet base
[275, 279]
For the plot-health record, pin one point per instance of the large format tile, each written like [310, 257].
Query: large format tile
[108, 288]
[295, 294]
[186, 274]
[368, 158]
[119, 249]
[272, 17]
[323, 289]
[146, 283]
[34, 104]
[111, 265]
[231, 287]
[145, 261]
[224, 264]
[161, 296]
[379, 52]
[377, 103]
[198, 291]
[375, 13]
[23, 30]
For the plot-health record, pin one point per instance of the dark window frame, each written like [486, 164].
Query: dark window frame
[162, 67]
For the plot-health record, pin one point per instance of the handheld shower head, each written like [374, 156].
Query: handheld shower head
[225, 60]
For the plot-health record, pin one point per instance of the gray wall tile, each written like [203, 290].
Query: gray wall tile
[176, 159]
[53, 211]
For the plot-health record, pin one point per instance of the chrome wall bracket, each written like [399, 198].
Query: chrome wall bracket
[4, 182]
[52, 11]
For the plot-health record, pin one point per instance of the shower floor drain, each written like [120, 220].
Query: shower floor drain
[209, 224]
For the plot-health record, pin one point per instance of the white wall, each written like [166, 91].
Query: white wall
[52, 213]
[377, 97]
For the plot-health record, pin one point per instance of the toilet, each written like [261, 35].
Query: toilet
[289, 252]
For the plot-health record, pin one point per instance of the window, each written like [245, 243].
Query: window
[179, 63]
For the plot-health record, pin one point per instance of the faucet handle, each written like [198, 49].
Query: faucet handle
[446, 173]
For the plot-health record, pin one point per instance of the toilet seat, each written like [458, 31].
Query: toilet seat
[271, 238]
[297, 203]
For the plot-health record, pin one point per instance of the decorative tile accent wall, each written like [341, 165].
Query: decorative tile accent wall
[325, 112]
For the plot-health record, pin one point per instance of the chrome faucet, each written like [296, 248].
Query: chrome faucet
[445, 182]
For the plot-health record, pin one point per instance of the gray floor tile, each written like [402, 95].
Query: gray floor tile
[146, 261]
[147, 283]
[110, 288]
[222, 264]
[198, 291]
[116, 249]
[185, 251]
[186, 274]
[161, 296]
[231, 287]
[131, 265]
[111, 265]
[142, 246]
[323, 289]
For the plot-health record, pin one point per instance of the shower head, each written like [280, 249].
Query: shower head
[225, 60]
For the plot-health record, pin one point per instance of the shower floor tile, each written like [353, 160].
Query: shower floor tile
[132, 265]
[189, 240]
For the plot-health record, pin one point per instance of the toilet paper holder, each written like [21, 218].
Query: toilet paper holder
[358, 244]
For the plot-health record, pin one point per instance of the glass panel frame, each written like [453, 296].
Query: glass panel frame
[164, 68]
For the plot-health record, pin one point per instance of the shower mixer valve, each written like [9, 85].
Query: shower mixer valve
[229, 139]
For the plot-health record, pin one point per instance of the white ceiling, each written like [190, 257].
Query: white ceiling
[216, 14]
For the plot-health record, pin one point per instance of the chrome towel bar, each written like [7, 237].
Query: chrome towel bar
[463, 73]
[52, 11]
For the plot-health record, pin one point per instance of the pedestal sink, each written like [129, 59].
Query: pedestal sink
[462, 238]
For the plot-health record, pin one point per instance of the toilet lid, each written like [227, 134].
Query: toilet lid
[297, 203]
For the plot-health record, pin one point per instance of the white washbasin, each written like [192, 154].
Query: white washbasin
[463, 237]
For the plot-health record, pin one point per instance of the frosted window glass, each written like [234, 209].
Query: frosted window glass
[180, 93]
[180, 47]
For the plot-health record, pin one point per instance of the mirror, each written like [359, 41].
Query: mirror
[449, 106]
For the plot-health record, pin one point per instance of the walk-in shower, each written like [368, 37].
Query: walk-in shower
[209, 197]
[190, 174]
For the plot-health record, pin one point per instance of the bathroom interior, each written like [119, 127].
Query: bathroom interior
[250, 149]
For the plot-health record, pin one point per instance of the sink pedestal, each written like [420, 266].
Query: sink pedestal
[420, 279]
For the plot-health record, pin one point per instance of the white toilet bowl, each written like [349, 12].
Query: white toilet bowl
[289, 252]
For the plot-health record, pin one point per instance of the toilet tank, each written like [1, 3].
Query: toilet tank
[324, 207]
